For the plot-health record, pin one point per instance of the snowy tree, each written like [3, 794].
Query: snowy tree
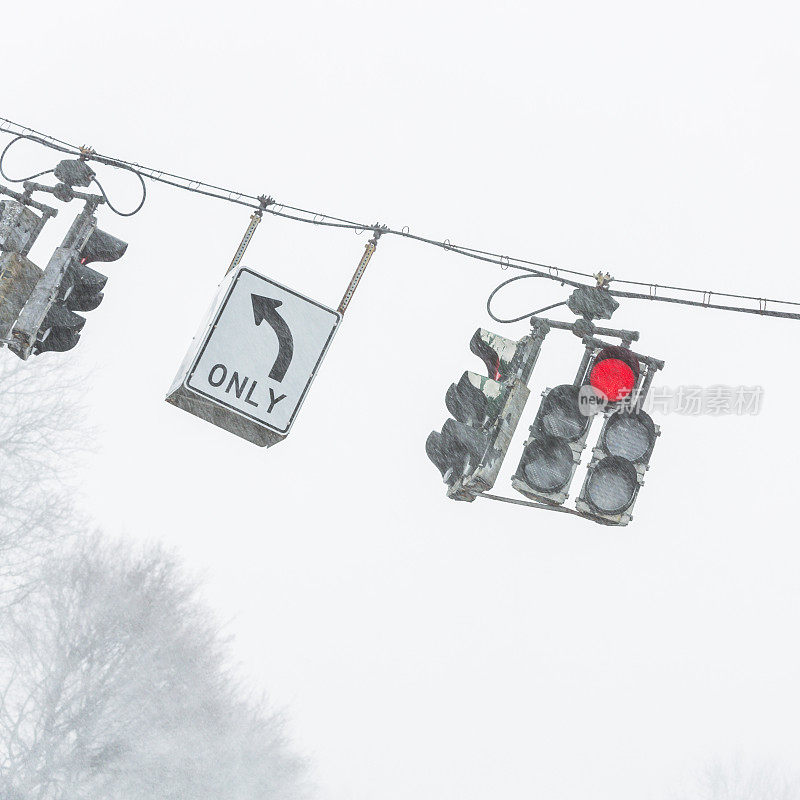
[735, 779]
[120, 689]
[114, 677]
[40, 427]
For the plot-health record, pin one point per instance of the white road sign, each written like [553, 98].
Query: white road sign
[262, 350]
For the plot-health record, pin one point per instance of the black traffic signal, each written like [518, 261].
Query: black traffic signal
[611, 379]
[458, 450]
[80, 289]
[19, 227]
[469, 449]
[86, 283]
[49, 322]
[622, 379]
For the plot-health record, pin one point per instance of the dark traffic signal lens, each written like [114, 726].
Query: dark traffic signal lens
[102, 246]
[466, 403]
[612, 485]
[630, 436]
[547, 464]
[561, 415]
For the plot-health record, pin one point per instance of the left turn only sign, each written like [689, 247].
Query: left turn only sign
[252, 363]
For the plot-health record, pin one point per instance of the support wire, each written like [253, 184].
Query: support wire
[295, 213]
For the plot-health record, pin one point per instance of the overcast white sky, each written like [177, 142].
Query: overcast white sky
[429, 649]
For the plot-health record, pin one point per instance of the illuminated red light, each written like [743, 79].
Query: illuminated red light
[613, 378]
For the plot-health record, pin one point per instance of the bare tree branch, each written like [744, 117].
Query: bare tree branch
[114, 681]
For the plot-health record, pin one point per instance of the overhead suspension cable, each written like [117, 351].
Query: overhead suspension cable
[298, 214]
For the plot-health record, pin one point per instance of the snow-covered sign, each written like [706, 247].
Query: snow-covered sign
[251, 365]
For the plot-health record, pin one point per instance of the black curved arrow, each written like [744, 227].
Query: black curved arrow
[265, 308]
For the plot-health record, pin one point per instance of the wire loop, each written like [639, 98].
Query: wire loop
[522, 316]
[18, 180]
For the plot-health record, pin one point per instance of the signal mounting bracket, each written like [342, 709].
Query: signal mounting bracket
[544, 506]
[593, 302]
[583, 327]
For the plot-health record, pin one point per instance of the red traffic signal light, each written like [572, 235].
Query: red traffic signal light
[614, 373]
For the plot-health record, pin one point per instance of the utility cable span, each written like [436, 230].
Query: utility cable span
[307, 216]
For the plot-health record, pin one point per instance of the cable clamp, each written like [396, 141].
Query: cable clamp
[603, 279]
[264, 201]
[377, 231]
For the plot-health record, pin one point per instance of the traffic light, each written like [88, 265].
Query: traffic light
[19, 227]
[610, 379]
[80, 289]
[48, 322]
[625, 445]
[470, 448]
[86, 284]
[18, 278]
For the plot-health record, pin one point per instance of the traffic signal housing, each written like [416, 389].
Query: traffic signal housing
[19, 226]
[49, 321]
[622, 379]
[18, 278]
[612, 380]
[469, 449]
